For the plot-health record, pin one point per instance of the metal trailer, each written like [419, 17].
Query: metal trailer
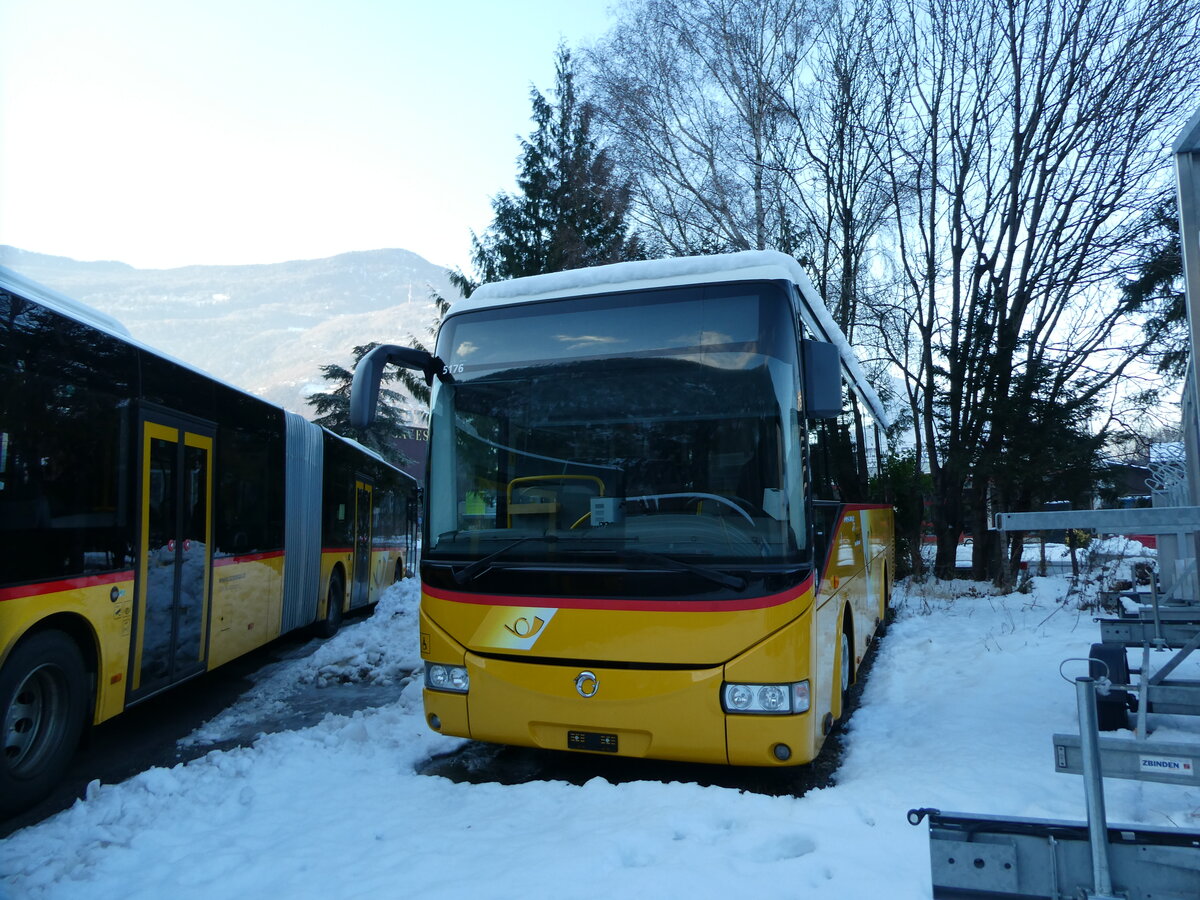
[974, 856]
[983, 856]
[1166, 619]
[1187, 179]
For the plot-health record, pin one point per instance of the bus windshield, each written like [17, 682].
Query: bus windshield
[654, 428]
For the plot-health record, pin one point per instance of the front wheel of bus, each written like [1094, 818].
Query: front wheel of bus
[43, 698]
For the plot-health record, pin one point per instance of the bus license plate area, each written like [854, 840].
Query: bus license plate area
[591, 740]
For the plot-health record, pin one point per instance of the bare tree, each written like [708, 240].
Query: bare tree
[1013, 146]
[1024, 142]
[837, 183]
[693, 95]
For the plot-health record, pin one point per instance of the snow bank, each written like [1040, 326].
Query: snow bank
[382, 650]
[958, 713]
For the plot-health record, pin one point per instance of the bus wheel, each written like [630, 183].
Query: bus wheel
[845, 672]
[885, 604]
[43, 690]
[329, 626]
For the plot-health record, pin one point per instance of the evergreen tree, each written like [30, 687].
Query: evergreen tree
[333, 410]
[1157, 289]
[1051, 452]
[412, 381]
[901, 484]
[569, 211]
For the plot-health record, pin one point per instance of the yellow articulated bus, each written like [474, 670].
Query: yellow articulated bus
[641, 537]
[156, 523]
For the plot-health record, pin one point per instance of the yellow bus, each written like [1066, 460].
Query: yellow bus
[643, 534]
[156, 523]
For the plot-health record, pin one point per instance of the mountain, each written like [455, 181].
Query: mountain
[264, 328]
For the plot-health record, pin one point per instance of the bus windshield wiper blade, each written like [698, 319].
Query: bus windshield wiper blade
[467, 573]
[724, 579]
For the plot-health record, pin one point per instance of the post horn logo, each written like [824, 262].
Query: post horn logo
[523, 629]
[587, 684]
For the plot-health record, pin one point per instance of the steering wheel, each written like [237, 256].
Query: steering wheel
[742, 506]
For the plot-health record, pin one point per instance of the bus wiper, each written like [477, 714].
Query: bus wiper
[715, 575]
[468, 573]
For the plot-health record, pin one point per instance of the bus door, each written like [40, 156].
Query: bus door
[175, 552]
[363, 498]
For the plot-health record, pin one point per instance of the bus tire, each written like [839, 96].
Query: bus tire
[887, 596]
[328, 627]
[1109, 661]
[43, 701]
[845, 671]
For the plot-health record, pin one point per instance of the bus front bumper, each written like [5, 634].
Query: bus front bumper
[660, 713]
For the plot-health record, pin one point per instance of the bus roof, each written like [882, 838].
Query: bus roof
[748, 265]
[364, 449]
[81, 312]
[61, 303]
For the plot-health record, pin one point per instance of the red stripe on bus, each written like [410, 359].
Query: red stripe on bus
[688, 606]
[249, 557]
[375, 548]
[65, 584]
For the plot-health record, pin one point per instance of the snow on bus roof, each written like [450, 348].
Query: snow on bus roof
[747, 265]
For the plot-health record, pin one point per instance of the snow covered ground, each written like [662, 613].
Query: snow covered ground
[957, 714]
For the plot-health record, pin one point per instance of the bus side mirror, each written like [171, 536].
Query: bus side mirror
[364, 390]
[822, 364]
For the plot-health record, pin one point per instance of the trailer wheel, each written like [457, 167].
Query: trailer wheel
[329, 626]
[43, 699]
[1109, 661]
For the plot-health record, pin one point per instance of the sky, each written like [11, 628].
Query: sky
[164, 133]
[957, 714]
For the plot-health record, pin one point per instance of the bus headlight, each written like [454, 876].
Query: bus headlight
[738, 696]
[447, 678]
[766, 699]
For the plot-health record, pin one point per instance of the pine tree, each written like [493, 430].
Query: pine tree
[333, 410]
[1157, 289]
[569, 211]
[413, 381]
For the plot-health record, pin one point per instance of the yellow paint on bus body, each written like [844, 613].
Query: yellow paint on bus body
[91, 611]
[246, 606]
[655, 674]
[245, 614]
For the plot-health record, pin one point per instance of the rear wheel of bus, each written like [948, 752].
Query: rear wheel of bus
[845, 671]
[43, 699]
[328, 627]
